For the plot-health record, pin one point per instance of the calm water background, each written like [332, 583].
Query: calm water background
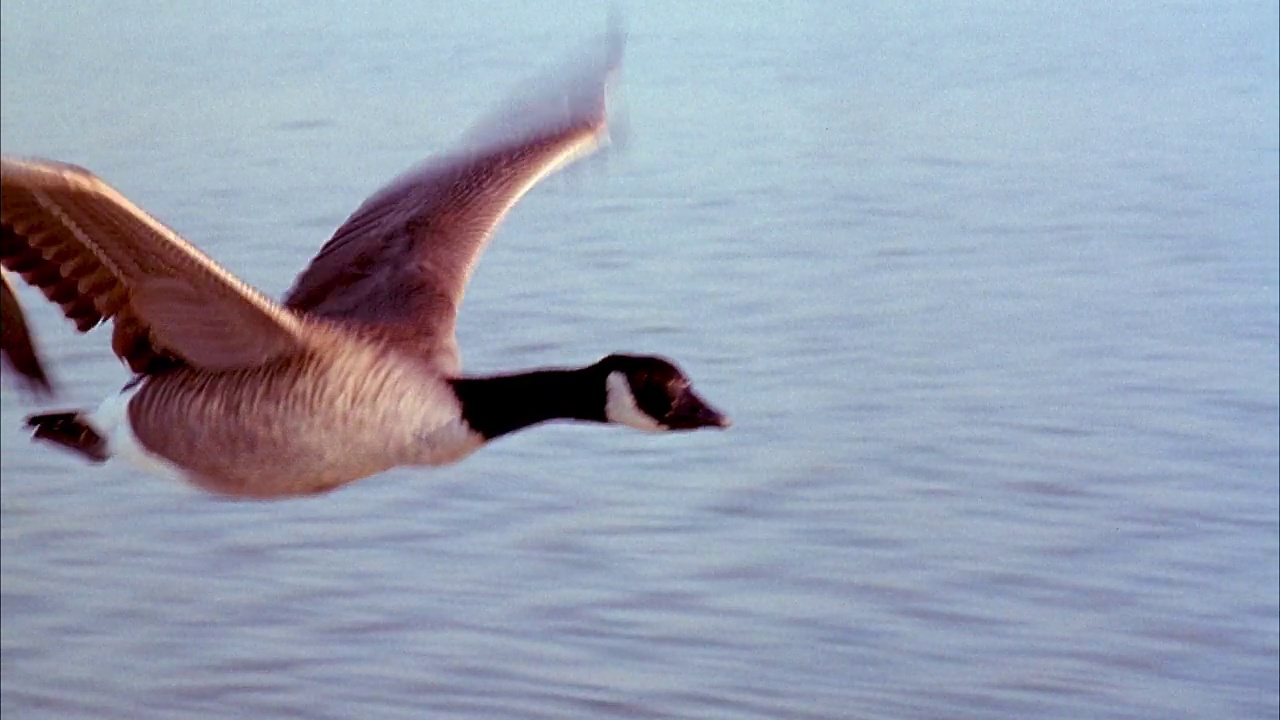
[990, 291]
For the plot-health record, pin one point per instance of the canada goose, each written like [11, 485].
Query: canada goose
[357, 370]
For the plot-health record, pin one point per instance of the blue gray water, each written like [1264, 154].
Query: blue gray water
[990, 291]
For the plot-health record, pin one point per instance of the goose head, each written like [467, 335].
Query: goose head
[650, 393]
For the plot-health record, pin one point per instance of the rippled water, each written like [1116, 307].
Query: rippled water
[991, 293]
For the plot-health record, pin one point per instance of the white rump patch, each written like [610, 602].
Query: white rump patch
[112, 420]
[620, 405]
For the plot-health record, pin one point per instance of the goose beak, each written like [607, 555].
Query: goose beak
[692, 412]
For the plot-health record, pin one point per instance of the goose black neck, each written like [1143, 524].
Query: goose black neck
[496, 405]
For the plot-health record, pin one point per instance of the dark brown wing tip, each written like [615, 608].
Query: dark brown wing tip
[33, 377]
[17, 348]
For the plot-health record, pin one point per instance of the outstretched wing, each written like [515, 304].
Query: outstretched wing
[399, 266]
[101, 257]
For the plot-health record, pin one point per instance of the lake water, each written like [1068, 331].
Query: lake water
[990, 291]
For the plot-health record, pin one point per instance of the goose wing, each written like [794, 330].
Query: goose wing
[100, 257]
[16, 346]
[398, 267]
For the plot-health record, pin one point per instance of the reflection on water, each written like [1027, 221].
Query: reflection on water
[991, 299]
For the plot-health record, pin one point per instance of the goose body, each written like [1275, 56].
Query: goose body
[298, 426]
[357, 371]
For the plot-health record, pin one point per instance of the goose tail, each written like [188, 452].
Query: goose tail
[72, 430]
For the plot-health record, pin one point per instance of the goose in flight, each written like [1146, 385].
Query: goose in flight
[357, 371]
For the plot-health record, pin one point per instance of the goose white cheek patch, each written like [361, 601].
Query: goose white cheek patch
[620, 406]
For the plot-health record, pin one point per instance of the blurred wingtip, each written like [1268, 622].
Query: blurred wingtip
[615, 38]
[18, 351]
[570, 93]
[37, 386]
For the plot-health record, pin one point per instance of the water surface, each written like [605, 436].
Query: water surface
[991, 293]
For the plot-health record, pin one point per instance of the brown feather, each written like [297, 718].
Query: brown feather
[17, 348]
[399, 266]
[90, 250]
